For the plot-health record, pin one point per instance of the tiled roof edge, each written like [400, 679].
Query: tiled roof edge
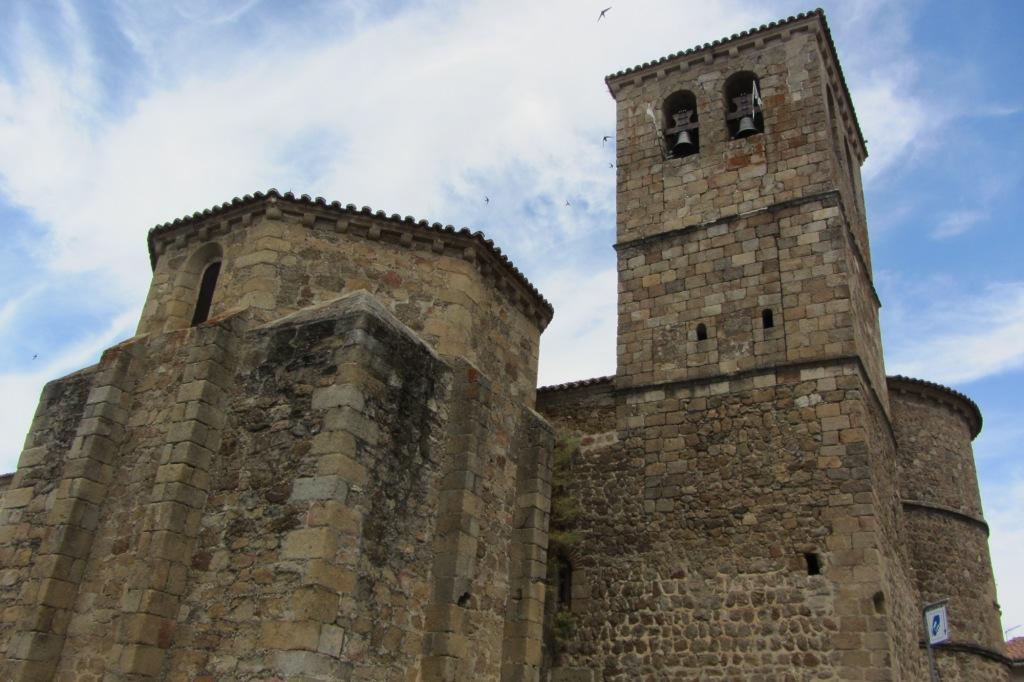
[575, 384]
[922, 387]
[819, 13]
[348, 209]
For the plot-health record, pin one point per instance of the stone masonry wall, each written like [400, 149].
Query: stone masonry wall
[277, 259]
[696, 525]
[946, 535]
[790, 260]
[318, 497]
[580, 410]
[28, 502]
[896, 603]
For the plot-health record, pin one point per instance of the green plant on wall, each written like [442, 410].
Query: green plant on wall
[563, 538]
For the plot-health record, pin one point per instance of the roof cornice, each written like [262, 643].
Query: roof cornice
[365, 222]
[943, 395]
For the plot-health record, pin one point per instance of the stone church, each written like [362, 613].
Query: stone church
[324, 456]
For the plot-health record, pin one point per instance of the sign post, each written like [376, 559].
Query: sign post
[936, 631]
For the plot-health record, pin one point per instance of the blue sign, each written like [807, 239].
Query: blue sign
[937, 621]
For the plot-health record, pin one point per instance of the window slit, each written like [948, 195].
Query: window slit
[205, 298]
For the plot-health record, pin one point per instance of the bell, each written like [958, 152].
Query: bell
[746, 128]
[683, 145]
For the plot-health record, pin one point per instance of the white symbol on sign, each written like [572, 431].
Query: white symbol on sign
[936, 624]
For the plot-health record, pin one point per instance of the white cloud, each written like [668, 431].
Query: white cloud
[934, 331]
[958, 222]
[10, 307]
[580, 341]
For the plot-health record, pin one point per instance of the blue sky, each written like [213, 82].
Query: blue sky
[117, 115]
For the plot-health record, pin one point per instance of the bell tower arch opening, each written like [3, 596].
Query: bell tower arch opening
[744, 115]
[682, 128]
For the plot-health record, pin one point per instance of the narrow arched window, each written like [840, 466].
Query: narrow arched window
[702, 332]
[682, 130]
[564, 578]
[767, 319]
[205, 297]
[849, 159]
[744, 110]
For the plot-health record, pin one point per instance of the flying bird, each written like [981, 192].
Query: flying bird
[603, 12]
[611, 165]
[487, 199]
[35, 356]
[605, 139]
[567, 203]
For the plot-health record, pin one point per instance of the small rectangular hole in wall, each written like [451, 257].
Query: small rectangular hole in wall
[813, 563]
[767, 319]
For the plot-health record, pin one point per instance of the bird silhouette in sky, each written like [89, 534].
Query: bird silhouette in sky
[603, 12]
[35, 356]
[605, 139]
[611, 165]
[487, 199]
[567, 203]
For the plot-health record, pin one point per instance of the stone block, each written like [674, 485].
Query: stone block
[289, 635]
[19, 497]
[343, 466]
[339, 395]
[330, 575]
[332, 487]
[310, 543]
[140, 659]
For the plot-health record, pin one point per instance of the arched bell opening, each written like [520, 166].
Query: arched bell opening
[682, 130]
[744, 110]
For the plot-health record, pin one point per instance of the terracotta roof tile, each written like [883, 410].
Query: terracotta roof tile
[575, 384]
[1015, 649]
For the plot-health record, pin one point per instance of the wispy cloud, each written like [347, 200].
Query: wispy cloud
[955, 337]
[958, 222]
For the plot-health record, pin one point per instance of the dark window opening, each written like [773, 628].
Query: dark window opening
[464, 599]
[832, 118]
[682, 133]
[205, 297]
[767, 319]
[878, 600]
[564, 586]
[813, 563]
[744, 110]
[702, 332]
[849, 159]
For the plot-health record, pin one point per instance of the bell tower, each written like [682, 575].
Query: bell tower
[755, 461]
[740, 212]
